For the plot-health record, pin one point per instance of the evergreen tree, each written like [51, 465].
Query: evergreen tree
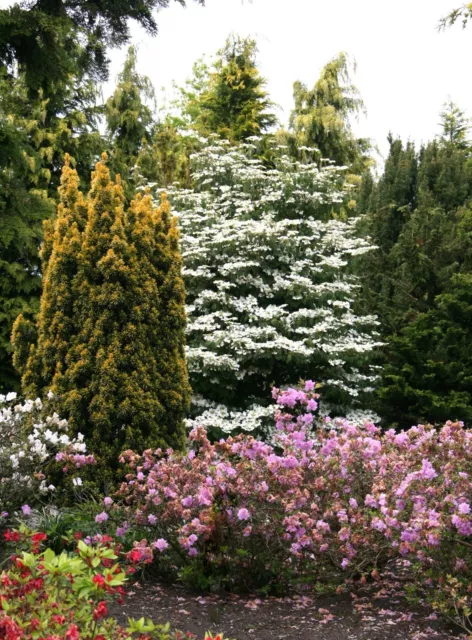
[111, 326]
[22, 209]
[269, 293]
[56, 322]
[455, 125]
[52, 59]
[389, 206]
[35, 140]
[230, 100]
[416, 281]
[428, 375]
[321, 117]
[166, 159]
[51, 40]
[129, 119]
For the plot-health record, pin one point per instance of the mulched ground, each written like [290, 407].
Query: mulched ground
[375, 612]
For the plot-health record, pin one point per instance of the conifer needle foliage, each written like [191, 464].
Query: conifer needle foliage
[110, 331]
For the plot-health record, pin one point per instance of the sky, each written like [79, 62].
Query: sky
[406, 70]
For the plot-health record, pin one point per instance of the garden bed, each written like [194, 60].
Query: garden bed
[375, 612]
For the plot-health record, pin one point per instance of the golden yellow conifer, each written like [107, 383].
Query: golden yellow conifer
[111, 328]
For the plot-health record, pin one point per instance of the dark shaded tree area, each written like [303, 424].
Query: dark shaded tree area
[53, 57]
[419, 216]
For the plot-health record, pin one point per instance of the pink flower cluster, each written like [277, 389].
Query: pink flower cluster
[76, 460]
[332, 497]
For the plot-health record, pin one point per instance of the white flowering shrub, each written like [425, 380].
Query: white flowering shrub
[270, 291]
[33, 449]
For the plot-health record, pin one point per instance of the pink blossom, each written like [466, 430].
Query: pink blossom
[101, 517]
[243, 514]
[160, 544]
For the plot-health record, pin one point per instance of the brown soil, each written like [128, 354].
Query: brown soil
[375, 612]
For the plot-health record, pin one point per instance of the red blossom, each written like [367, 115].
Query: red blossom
[100, 611]
[99, 580]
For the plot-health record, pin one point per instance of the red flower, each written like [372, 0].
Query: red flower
[58, 619]
[6, 580]
[11, 536]
[72, 632]
[38, 537]
[100, 611]
[134, 556]
[34, 623]
[78, 535]
[99, 580]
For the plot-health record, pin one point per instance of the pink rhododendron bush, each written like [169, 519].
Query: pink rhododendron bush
[321, 504]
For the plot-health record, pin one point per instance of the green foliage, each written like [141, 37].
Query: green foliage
[35, 136]
[416, 282]
[111, 325]
[23, 206]
[67, 593]
[428, 374]
[129, 119]
[166, 159]
[52, 59]
[50, 40]
[229, 100]
[321, 116]
[455, 125]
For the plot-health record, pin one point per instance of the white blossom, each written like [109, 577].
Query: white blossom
[266, 267]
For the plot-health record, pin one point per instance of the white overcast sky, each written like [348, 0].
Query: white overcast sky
[405, 68]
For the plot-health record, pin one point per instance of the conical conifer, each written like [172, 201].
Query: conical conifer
[42, 364]
[123, 377]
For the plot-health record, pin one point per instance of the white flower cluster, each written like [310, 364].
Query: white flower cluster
[27, 443]
[269, 289]
[218, 416]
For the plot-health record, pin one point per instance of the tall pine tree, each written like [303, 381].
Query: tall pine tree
[130, 120]
[230, 100]
[416, 281]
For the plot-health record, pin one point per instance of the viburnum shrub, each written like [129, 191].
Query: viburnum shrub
[271, 293]
[65, 597]
[33, 449]
[320, 504]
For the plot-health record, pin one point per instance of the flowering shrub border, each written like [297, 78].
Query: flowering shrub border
[319, 505]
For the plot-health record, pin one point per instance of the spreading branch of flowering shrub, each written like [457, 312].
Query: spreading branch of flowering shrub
[270, 291]
[31, 447]
[320, 504]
